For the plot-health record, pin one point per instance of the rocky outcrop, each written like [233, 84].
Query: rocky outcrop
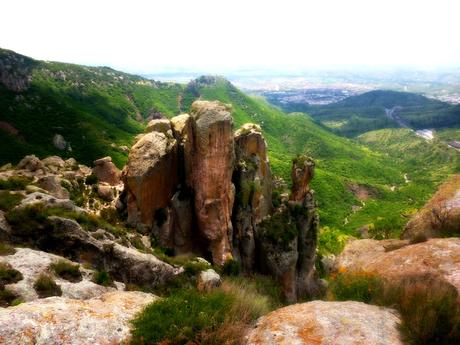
[213, 159]
[208, 280]
[440, 217]
[67, 238]
[150, 178]
[60, 320]
[395, 260]
[327, 323]
[33, 263]
[287, 239]
[106, 171]
[53, 184]
[253, 186]
[181, 180]
[31, 163]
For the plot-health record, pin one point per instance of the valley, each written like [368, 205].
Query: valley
[220, 200]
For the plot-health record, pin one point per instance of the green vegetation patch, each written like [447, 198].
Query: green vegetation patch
[9, 275]
[9, 200]
[6, 249]
[103, 278]
[15, 183]
[67, 270]
[45, 286]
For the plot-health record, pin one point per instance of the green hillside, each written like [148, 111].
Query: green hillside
[358, 114]
[95, 109]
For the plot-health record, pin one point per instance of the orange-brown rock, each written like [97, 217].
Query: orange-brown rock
[150, 177]
[106, 171]
[440, 217]
[328, 323]
[253, 185]
[301, 174]
[395, 260]
[213, 159]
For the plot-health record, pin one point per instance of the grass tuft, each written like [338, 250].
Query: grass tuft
[45, 286]
[67, 270]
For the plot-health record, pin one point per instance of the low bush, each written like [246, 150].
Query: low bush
[67, 270]
[45, 286]
[9, 200]
[6, 249]
[91, 180]
[8, 275]
[231, 268]
[8, 298]
[15, 183]
[217, 317]
[361, 286]
[103, 278]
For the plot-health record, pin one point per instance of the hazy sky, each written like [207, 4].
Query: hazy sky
[144, 36]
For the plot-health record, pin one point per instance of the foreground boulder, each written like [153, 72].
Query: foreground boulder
[440, 217]
[318, 322]
[396, 260]
[59, 320]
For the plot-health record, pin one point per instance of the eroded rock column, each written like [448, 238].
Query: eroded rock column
[211, 175]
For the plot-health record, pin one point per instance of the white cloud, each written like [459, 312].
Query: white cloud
[145, 35]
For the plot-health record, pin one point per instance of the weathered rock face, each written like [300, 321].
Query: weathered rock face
[287, 240]
[150, 177]
[213, 157]
[52, 184]
[60, 320]
[328, 323]
[31, 163]
[106, 171]
[32, 263]
[66, 237]
[302, 173]
[208, 280]
[253, 186]
[395, 260]
[440, 217]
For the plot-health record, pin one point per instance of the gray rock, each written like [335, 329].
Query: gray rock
[31, 163]
[59, 142]
[60, 320]
[52, 184]
[208, 280]
[49, 201]
[158, 125]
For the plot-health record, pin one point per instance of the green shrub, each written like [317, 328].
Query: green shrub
[331, 241]
[91, 180]
[9, 200]
[8, 298]
[6, 249]
[362, 287]
[279, 229]
[8, 275]
[67, 270]
[221, 316]
[231, 268]
[45, 286]
[15, 183]
[103, 278]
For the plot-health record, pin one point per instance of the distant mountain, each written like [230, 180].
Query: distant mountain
[381, 109]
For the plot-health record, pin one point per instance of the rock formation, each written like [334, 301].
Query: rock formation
[106, 171]
[287, 240]
[440, 217]
[328, 323]
[150, 178]
[60, 320]
[393, 260]
[253, 185]
[181, 180]
[213, 157]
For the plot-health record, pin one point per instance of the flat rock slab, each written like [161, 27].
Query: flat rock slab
[437, 256]
[328, 323]
[58, 320]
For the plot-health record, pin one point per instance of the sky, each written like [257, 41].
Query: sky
[151, 36]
